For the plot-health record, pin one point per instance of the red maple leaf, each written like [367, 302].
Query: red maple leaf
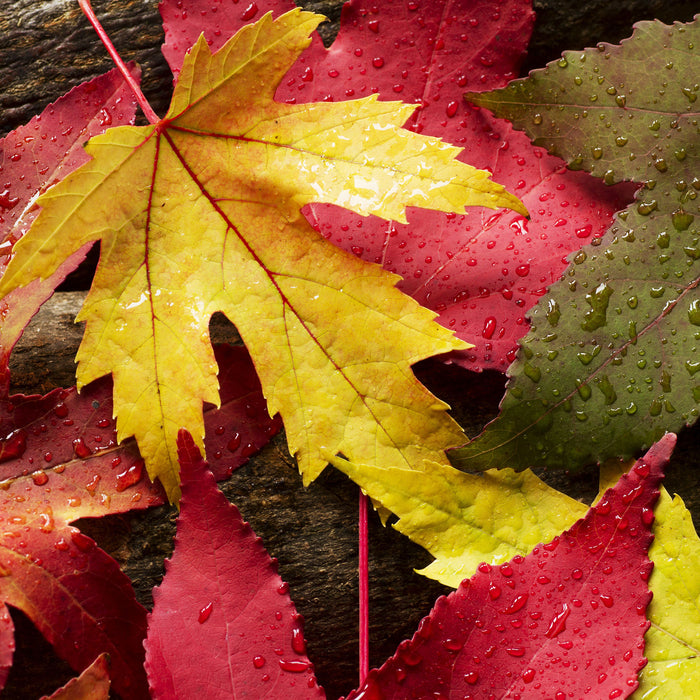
[568, 620]
[481, 271]
[564, 621]
[34, 157]
[60, 461]
[223, 625]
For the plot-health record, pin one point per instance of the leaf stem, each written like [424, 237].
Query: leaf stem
[86, 7]
[363, 566]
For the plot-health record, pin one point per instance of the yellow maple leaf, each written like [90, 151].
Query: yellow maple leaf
[200, 213]
[465, 519]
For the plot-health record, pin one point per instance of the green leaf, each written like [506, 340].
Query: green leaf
[465, 519]
[613, 359]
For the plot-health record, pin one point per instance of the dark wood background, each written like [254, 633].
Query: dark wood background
[45, 49]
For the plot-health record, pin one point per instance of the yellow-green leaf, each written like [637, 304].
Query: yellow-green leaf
[672, 643]
[201, 213]
[465, 519]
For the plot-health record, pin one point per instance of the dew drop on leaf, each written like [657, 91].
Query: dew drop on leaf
[293, 666]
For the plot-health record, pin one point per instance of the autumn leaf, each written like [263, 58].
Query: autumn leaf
[73, 592]
[233, 240]
[672, 642]
[565, 621]
[32, 158]
[222, 606]
[60, 461]
[612, 358]
[7, 644]
[480, 271]
[466, 519]
[92, 684]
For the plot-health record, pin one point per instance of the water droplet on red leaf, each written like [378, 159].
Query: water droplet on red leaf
[293, 666]
[205, 613]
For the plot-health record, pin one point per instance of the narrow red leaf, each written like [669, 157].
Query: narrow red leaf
[568, 620]
[482, 271]
[7, 644]
[34, 157]
[92, 684]
[222, 606]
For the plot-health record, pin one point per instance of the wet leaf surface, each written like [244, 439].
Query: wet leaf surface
[612, 359]
[303, 307]
[466, 519]
[223, 606]
[480, 271]
[59, 462]
[565, 621]
[672, 642]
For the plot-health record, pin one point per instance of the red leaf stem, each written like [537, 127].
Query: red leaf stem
[363, 575]
[86, 7]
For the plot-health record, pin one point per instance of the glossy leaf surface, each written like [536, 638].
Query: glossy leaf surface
[222, 606]
[565, 621]
[480, 271]
[613, 356]
[303, 308]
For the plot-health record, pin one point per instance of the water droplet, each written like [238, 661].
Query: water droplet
[694, 312]
[471, 678]
[558, 623]
[40, 478]
[523, 270]
[81, 449]
[681, 219]
[646, 208]
[6, 201]
[205, 613]
[532, 372]
[489, 327]
[249, 12]
[529, 675]
[537, 119]
[293, 666]
[517, 652]
[518, 603]
[234, 443]
[13, 445]
[451, 108]
[606, 388]
[598, 301]
[298, 642]
[454, 645]
[130, 476]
